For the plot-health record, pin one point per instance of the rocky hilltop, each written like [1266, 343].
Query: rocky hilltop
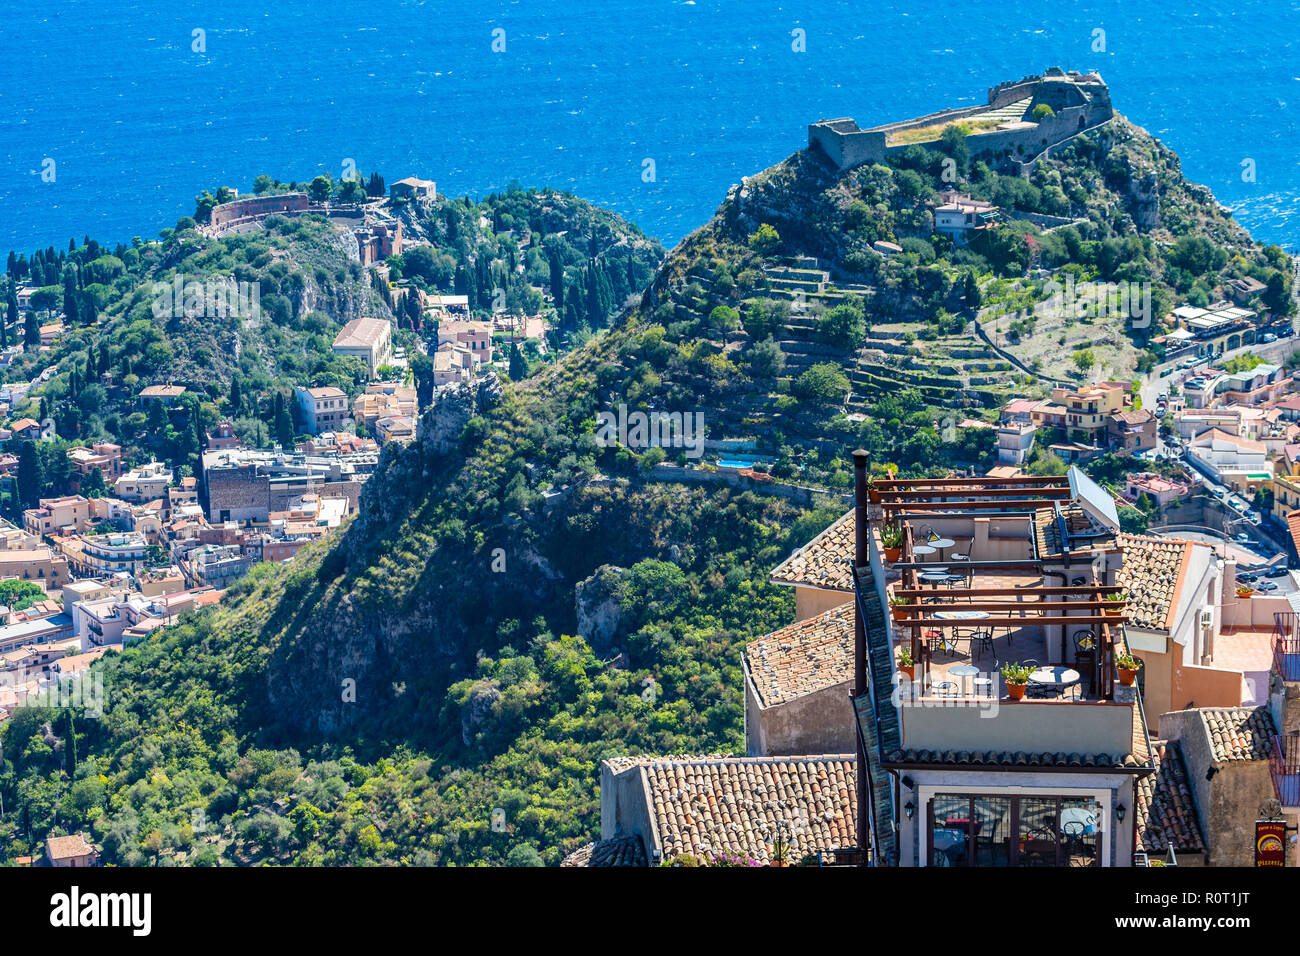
[422, 688]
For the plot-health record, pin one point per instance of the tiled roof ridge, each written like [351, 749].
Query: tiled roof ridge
[705, 760]
[1245, 733]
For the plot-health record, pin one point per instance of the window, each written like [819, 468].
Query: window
[998, 831]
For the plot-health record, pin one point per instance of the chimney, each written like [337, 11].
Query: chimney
[861, 558]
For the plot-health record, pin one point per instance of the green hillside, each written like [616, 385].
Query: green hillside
[407, 691]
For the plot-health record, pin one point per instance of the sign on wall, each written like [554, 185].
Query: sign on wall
[1270, 843]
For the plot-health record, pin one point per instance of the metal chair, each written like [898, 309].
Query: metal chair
[938, 640]
[981, 640]
[1085, 652]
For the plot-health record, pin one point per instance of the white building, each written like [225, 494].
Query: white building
[145, 483]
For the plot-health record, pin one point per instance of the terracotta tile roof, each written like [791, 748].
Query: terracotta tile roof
[1166, 813]
[617, 851]
[1238, 733]
[711, 806]
[824, 561]
[1017, 758]
[362, 333]
[67, 847]
[807, 656]
[1151, 574]
[1141, 417]
[1293, 525]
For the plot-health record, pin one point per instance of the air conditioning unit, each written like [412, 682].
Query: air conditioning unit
[1207, 616]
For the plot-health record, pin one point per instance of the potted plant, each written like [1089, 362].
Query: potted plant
[891, 536]
[905, 662]
[1017, 676]
[1117, 603]
[896, 604]
[1128, 667]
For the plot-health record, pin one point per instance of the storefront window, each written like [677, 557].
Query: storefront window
[988, 830]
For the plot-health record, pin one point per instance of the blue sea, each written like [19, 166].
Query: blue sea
[138, 116]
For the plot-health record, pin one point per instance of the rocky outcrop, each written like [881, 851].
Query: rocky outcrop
[440, 424]
[479, 710]
[599, 611]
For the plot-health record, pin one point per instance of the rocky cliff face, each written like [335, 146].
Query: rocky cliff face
[442, 422]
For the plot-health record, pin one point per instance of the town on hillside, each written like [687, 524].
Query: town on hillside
[936, 503]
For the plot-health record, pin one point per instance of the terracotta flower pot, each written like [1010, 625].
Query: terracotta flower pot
[897, 611]
[891, 554]
[909, 670]
[1126, 676]
[1016, 691]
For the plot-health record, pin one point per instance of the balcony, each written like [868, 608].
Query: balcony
[1284, 768]
[1286, 645]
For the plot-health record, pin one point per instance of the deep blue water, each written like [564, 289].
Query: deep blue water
[137, 123]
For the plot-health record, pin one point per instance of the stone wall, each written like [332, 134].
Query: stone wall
[237, 494]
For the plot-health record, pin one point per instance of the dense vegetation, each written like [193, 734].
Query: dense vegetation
[243, 367]
[410, 691]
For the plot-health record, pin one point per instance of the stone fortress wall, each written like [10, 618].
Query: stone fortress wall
[1079, 101]
[257, 207]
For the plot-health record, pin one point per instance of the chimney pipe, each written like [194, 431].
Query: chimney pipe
[861, 558]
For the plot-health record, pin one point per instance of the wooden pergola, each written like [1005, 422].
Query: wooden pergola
[1085, 605]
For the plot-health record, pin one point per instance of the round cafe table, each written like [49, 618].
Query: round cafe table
[962, 615]
[942, 544]
[964, 671]
[1058, 677]
[922, 550]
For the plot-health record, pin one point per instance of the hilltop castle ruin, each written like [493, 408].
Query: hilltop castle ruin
[1005, 124]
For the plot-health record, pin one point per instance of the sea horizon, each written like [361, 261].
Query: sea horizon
[649, 108]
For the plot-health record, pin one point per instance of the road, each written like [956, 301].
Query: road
[1276, 352]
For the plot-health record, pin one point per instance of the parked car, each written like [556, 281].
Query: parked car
[1278, 572]
[1266, 586]
[1252, 516]
[1241, 538]
[1247, 578]
[1269, 337]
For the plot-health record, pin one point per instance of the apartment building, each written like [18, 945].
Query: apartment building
[247, 485]
[106, 457]
[68, 514]
[321, 409]
[383, 400]
[1228, 460]
[147, 483]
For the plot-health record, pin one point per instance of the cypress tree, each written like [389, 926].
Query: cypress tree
[30, 476]
[283, 423]
[557, 278]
